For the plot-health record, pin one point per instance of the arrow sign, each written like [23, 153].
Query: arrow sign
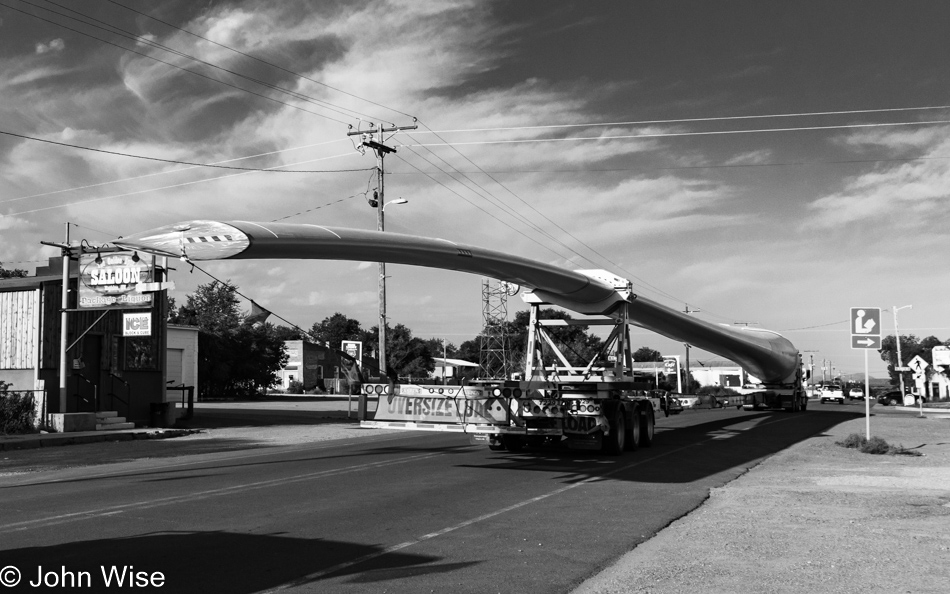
[865, 342]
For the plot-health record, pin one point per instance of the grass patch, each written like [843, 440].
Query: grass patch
[875, 445]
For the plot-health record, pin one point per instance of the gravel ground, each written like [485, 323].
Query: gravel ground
[817, 517]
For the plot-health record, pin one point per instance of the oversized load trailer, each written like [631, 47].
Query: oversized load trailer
[591, 408]
[764, 354]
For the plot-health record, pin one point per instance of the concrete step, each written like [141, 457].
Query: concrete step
[105, 414]
[114, 426]
[109, 420]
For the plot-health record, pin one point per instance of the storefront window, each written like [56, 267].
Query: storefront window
[141, 353]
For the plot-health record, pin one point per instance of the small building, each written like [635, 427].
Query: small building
[181, 362]
[451, 369]
[318, 366]
[713, 372]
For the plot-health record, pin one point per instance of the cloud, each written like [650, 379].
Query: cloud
[892, 195]
[55, 45]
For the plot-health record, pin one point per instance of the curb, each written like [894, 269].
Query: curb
[46, 440]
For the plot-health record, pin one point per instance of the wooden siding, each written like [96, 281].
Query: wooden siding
[18, 329]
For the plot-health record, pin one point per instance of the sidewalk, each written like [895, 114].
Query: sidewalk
[208, 417]
[816, 517]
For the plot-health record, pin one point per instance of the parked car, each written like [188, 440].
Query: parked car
[856, 394]
[687, 400]
[893, 398]
[832, 394]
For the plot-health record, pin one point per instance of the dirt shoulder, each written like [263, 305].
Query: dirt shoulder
[817, 517]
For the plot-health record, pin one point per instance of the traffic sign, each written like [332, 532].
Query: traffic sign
[866, 321]
[865, 327]
[918, 364]
[941, 355]
[865, 342]
[902, 369]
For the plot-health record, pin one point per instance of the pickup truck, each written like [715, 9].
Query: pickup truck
[832, 394]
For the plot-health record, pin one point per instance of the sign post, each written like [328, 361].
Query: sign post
[866, 334]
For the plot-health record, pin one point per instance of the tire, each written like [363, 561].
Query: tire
[646, 422]
[616, 439]
[892, 402]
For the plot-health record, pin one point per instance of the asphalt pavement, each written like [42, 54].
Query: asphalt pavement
[668, 482]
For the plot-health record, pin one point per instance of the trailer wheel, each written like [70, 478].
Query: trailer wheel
[633, 430]
[646, 423]
[616, 440]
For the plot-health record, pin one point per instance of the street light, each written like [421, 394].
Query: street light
[382, 283]
[396, 201]
[897, 336]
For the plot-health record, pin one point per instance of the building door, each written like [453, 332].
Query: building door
[88, 375]
[173, 372]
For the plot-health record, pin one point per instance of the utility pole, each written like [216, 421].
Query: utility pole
[811, 365]
[379, 203]
[63, 399]
[688, 375]
[897, 337]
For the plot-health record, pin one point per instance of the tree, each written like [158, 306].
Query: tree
[406, 355]
[214, 307]
[14, 273]
[911, 347]
[470, 350]
[577, 345]
[285, 333]
[234, 359]
[646, 354]
[333, 330]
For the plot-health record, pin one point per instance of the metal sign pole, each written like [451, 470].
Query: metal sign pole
[867, 397]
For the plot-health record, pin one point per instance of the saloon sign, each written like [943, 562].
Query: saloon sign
[111, 283]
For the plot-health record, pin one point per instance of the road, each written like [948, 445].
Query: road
[387, 513]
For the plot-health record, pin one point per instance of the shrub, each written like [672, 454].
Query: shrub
[295, 387]
[17, 412]
[875, 445]
[852, 441]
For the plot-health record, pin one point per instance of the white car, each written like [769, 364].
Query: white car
[832, 394]
[687, 400]
[856, 394]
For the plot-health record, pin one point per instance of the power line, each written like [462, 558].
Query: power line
[175, 162]
[568, 233]
[147, 42]
[167, 171]
[677, 134]
[143, 40]
[503, 222]
[687, 167]
[692, 120]
[330, 203]
[263, 61]
[161, 188]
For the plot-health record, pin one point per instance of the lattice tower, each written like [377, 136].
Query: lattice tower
[493, 351]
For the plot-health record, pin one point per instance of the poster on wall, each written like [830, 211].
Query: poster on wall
[137, 324]
[353, 348]
[111, 282]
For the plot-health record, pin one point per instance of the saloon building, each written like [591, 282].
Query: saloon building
[115, 336]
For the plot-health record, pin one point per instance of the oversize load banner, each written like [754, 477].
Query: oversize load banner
[110, 284]
[421, 406]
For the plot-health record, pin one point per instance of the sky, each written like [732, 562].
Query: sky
[765, 163]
